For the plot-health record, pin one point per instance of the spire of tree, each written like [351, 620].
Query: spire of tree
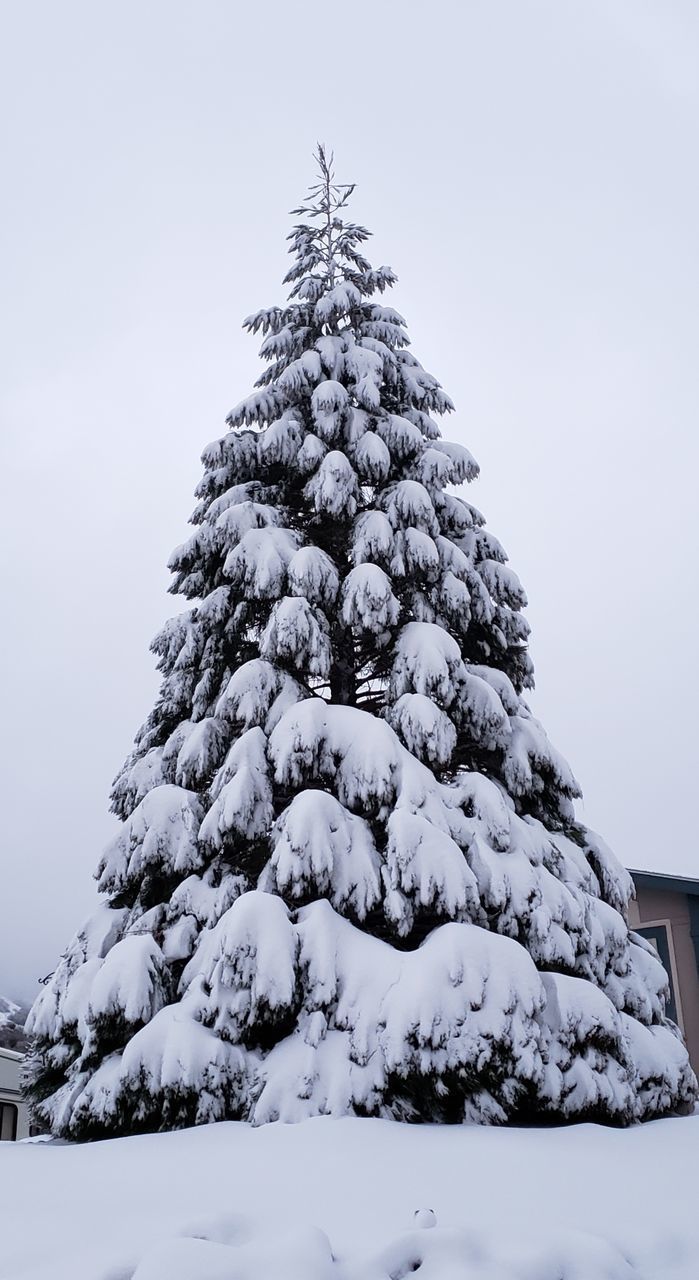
[349, 876]
[330, 240]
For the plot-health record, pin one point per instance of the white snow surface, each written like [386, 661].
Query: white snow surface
[355, 1199]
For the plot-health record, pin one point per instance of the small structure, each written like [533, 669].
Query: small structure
[14, 1115]
[666, 912]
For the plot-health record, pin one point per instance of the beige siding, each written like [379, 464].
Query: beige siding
[10, 1067]
[656, 906]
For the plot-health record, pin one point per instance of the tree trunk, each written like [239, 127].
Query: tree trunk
[343, 684]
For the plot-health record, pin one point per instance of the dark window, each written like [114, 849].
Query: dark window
[656, 934]
[8, 1122]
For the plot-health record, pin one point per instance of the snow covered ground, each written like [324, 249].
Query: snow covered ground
[337, 1200]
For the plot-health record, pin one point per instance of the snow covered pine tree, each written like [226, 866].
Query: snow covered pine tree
[349, 876]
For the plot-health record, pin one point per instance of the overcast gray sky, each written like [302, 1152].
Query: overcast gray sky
[529, 169]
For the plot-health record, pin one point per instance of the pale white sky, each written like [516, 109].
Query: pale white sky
[529, 170]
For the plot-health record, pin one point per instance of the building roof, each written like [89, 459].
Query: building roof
[13, 1054]
[661, 880]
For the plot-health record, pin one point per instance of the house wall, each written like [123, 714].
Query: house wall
[656, 906]
[10, 1067]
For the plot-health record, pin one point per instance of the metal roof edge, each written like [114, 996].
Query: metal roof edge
[664, 880]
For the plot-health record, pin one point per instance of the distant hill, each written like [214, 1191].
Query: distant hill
[12, 1019]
